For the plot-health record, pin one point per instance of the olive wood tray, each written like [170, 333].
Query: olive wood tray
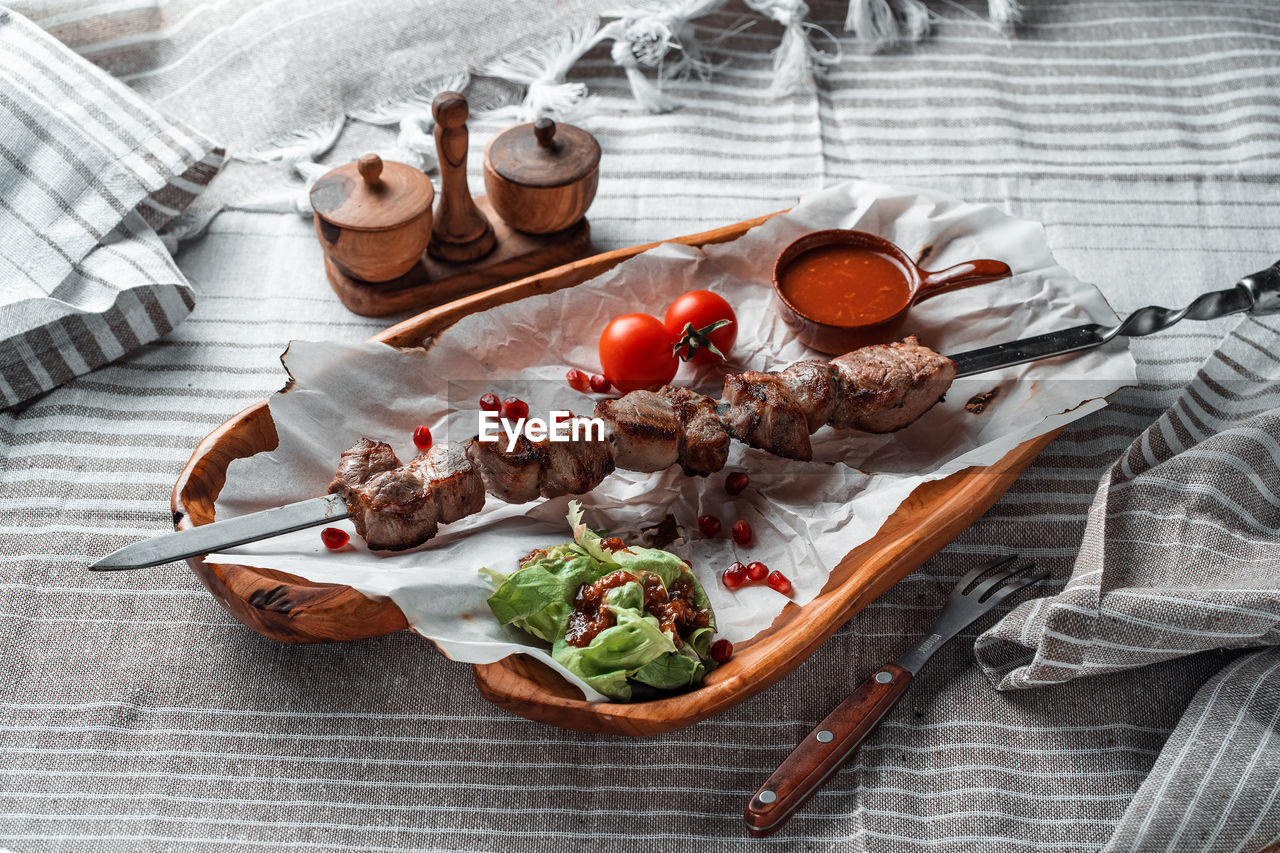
[292, 609]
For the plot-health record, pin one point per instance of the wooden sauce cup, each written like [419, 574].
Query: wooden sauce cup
[540, 176]
[373, 218]
[820, 326]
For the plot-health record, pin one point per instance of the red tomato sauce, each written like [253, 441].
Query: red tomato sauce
[845, 285]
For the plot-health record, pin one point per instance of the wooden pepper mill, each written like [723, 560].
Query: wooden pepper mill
[461, 232]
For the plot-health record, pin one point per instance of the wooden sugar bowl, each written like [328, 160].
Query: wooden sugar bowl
[373, 218]
[541, 176]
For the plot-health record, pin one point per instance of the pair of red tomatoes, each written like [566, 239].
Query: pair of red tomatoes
[639, 351]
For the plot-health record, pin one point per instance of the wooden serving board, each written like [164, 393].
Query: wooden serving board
[292, 609]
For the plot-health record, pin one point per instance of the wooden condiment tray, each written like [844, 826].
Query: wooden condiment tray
[292, 609]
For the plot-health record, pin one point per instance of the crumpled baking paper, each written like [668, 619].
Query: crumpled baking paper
[806, 516]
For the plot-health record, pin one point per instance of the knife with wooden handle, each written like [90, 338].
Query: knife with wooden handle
[1256, 294]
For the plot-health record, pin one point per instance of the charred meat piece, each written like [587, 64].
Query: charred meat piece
[813, 385]
[887, 386]
[395, 510]
[513, 477]
[577, 466]
[642, 429]
[762, 412]
[455, 482]
[704, 443]
[360, 463]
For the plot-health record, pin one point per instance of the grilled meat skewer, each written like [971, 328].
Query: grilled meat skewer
[877, 389]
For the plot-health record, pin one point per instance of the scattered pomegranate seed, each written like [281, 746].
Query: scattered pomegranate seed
[422, 438]
[514, 409]
[600, 384]
[735, 483]
[757, 571]
[333, 538]
[578, 380]
[778, 583]
[708, 525]
[721, 651]
[561, 417]
[734, 576]
[490, 403]
[742, 532]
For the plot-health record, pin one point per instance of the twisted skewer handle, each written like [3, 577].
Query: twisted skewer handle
[1258, 293]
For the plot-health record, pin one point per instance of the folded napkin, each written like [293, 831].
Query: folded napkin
[88, 172]
[1181, 554]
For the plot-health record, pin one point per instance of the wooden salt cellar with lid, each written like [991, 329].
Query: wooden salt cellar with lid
[387, 252]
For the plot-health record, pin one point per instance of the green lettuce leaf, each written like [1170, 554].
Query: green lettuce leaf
[539, 596]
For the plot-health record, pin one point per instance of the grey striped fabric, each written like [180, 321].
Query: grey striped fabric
[136, 715]
[1181, 553]
[88, 172]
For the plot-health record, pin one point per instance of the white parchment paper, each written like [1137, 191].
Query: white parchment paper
[806, 516]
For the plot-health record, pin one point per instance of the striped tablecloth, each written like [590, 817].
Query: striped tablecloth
[135, 714]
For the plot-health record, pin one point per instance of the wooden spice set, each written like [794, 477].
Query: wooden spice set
[387, 250]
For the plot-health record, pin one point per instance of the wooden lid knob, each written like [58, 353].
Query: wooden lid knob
[450, 109]
[544, 131]
[370, 168]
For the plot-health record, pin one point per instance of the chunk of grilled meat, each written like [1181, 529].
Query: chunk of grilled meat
[761, 411]
[813, 385]
[395, 510]
[455, 482]
[359, 463]
[643, 431]
[703, 446]
[575, 467]
[513, 477]
[885, 387]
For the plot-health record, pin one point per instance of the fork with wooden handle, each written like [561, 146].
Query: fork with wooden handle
[836, 738]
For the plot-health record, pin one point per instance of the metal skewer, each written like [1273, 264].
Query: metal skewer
[1256, 294]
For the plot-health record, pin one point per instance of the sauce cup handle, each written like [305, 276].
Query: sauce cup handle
[961, 275]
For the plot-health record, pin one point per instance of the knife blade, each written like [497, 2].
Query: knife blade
[225, 533]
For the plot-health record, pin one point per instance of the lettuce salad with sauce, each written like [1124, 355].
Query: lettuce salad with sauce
[627, 620]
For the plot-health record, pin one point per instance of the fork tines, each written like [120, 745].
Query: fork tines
[992, 583]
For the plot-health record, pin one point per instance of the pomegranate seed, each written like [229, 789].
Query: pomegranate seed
[514, 409]
[333, 538]
[735, 483]
[422, 438]
[742, 532]
[600, 384]
[757, 571]
[734, 576]
[578, 380]
[721, 651]
[778, 583]
[489, 403]
[708, 525]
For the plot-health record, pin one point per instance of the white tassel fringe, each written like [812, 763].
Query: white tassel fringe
[885, 22]
[543, 69]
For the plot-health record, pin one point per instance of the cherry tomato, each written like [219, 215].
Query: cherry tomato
[635, 353]
[696, 321]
